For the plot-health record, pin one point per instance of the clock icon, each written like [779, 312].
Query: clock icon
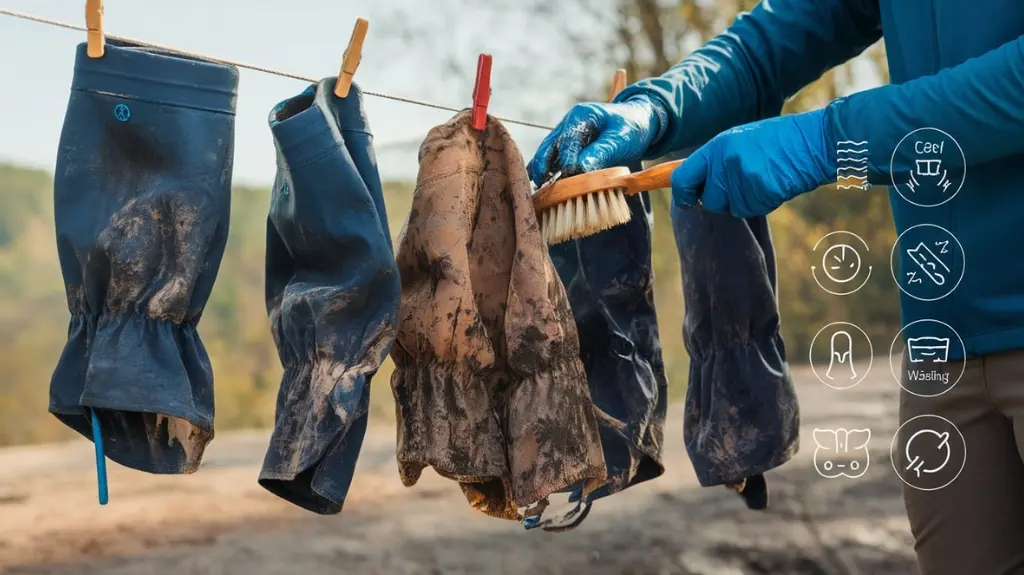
[841, 263]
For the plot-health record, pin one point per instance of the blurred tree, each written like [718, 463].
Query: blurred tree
[646, 37]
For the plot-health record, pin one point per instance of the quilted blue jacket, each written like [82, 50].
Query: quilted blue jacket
[956, 66]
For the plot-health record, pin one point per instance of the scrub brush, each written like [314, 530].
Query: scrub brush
[589, 203]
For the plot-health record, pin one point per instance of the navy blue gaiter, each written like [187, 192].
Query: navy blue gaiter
[142, 192]
[332, 290]
[609, 279]
[742, 416]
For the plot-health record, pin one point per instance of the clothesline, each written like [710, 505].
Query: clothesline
[255, 67]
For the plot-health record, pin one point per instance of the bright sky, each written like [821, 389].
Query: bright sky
[306, 37]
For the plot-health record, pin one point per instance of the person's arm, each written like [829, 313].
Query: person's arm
[980, 103]
[748, 71]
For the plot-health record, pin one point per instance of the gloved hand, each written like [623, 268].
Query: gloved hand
[594, 136]
[751, 170]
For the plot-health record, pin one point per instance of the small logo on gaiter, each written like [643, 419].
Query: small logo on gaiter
[122, 113]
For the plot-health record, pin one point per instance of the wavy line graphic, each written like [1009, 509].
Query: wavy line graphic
[848, 151]
[851, 143]
[852, 182]
[856, 160]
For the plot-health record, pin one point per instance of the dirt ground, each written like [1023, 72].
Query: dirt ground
[220, 522]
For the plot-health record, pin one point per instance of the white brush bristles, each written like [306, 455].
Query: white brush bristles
[584, 216]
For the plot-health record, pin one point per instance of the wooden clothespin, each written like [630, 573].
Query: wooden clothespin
[481, 91]
[618, 83]
[350, 61]
[94, 25]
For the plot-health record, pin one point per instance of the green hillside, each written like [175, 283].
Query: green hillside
[33, 312]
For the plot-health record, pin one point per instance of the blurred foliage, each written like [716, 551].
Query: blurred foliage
[33, 311]
[643, 36]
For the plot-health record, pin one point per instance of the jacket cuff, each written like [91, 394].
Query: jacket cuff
[826, 158]
[660, 119]
[836, 131]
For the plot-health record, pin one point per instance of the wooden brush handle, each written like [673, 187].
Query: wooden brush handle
[659, 176]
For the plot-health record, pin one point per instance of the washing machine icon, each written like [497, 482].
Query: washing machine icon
[928, 349]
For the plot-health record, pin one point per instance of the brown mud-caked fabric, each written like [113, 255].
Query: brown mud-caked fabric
[489, 387]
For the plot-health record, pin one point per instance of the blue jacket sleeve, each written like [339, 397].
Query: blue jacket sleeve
[748, 71]
[980, 103]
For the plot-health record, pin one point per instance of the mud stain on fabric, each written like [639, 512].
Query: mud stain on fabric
[153, 240]
[332, 298]
[181, 432]
[489, 387]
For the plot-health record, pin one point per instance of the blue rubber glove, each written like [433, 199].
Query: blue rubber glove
[750, 170]
[593, 136]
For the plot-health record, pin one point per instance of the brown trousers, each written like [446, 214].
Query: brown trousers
[975, 525]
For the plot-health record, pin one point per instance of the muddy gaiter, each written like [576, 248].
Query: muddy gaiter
[332, 291]
[141, 201]
[742, 416]
[488, 384]
[610, 282]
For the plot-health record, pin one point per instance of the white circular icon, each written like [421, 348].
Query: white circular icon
[928, 452]
[843, 342]
[928, 167]
[934, 358]
[916, 456]
[927, 262]
[843, 263]
[842, 269]
[840, 452]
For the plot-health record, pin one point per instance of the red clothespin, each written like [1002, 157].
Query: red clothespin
[481, 91]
